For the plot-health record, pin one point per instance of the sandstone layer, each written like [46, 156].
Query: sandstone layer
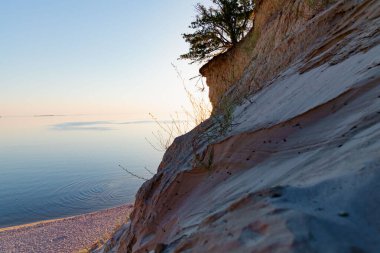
[297, 169]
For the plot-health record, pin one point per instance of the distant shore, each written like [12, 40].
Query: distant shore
[63, 235]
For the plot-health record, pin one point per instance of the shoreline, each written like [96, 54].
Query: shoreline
[68, 234]
[41, 222]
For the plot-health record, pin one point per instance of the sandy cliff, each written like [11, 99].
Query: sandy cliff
[298, 167]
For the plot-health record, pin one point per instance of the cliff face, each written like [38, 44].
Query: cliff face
[298, 167]
[285, 32]
[277, 24]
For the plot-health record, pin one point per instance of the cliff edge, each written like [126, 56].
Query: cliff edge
[292, 164]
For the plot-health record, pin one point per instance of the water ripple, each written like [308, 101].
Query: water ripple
[85, 195]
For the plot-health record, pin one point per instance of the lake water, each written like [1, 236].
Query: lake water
[52, 167]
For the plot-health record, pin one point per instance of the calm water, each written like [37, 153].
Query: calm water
[53, 167]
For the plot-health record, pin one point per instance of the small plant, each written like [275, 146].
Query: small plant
[181, 122]
[167, 131]
[135, 175]
[222, 122]
[204, 161]
[224, 115]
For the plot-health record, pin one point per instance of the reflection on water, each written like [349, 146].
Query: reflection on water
[53, 167]
[97, 125]
[91, 125]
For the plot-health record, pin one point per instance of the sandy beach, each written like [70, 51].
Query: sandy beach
[63, 235]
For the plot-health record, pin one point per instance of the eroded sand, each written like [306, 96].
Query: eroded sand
[63, 235]
[299, 168]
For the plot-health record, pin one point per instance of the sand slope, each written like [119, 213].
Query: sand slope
[299, 170]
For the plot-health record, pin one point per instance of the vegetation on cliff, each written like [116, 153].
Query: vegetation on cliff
[218, 27]
[292, 167]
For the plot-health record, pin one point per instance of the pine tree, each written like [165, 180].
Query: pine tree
[217, 28]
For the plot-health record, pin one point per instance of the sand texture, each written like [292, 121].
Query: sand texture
[297, 170]
[62, 235]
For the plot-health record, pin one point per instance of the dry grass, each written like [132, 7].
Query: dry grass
[184, 120]
[181, 123]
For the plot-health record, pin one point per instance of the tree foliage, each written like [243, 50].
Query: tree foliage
[217, 28]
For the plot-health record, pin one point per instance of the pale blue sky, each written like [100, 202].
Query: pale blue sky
[92, 56]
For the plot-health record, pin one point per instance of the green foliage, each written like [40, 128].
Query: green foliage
[218, 27]
[204, 160]
[221, 123]
[225, 116]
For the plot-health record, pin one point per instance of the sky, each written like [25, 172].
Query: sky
[93, 56]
